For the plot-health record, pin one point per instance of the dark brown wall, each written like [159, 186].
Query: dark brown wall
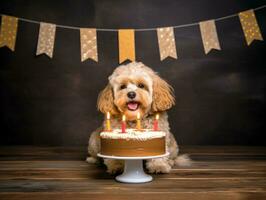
[220, 96]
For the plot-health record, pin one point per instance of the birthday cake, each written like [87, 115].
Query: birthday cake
[132, 143]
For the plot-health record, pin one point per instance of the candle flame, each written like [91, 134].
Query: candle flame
[124, 118]
[108, 115]
[138, 115]
[157, 116]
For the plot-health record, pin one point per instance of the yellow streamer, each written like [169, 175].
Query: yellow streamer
[126, 39]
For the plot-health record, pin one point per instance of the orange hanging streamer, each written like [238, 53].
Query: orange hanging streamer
[126, 39]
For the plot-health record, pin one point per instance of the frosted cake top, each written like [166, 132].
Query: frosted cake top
[133, 134]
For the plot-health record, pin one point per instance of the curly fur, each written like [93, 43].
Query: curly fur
[156, 97]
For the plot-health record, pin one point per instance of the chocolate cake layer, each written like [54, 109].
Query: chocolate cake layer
[132, 148]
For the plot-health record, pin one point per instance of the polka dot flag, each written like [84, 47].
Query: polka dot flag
[250, 26]
[209, 36]
[126, 37]
[8, 32]
[88, 44]
[166, 40]
[46, 39]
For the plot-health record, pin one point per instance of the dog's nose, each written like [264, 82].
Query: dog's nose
[131, 95]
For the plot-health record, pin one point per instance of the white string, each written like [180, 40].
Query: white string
[137, 29]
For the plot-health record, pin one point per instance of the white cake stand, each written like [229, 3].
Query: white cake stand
[133, 168]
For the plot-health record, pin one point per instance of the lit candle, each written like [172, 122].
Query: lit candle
[155, 123]
[138, 121]
[123, 124]
[108, 123]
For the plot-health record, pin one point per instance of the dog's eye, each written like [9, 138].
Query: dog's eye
[122, 87]
[140, 85]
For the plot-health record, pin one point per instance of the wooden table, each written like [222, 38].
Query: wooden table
[218, 172]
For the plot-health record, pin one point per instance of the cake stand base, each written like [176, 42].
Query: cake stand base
[133, 168]
[133, 173]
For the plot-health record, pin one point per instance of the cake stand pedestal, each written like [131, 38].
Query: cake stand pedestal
[133, 168]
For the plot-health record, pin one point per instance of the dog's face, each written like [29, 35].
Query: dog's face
[132, 93]
[135, 88]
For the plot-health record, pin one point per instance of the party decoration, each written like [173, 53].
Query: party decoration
[138, 121]
[123, 124]
[166, 40]
[88, 44]
[250, 26]
[156, 123]
[126, 39]
[46, 39]
[8, 32]
[209, 36]
[108, 123]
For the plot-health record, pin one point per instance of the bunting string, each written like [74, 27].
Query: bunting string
[136, 29]
[126, 37]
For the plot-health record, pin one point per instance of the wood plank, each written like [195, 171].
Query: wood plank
[111, 186]
[57, 174]
[42, 153]
[245, 195]
[223, 150]
[76, 164]
[137, 195]
[61, 172]
[80, 153]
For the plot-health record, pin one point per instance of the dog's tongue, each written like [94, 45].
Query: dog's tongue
[132, 105]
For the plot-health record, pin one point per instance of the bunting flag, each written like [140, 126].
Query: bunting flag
[209, 36]
[88, 44]
[166, 40]
[250, 26]
[8, 32]
[126, 39]
[46, 39]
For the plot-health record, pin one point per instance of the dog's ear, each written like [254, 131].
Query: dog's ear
[105, 102]
[163, 97]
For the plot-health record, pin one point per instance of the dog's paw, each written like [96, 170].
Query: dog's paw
[91, 160]
[114, 166]
[158, 166]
